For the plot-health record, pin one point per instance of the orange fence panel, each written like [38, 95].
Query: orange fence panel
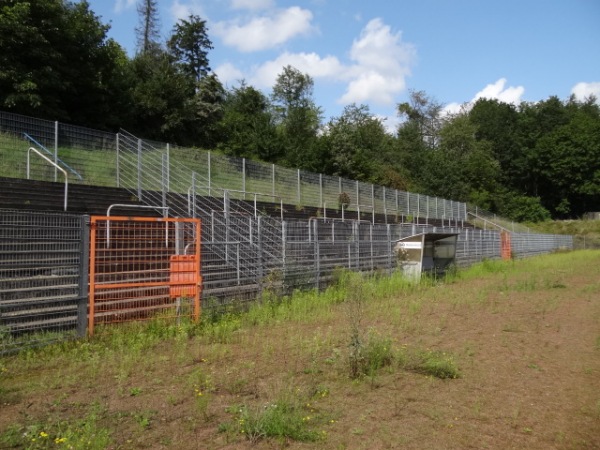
[142, 268]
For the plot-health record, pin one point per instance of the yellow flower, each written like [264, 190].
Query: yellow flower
[43, 434]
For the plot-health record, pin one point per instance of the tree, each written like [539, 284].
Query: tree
[160, 94]
[297, 116]
[247, 125]
[189, 45]
[56, 62]
[498, 123]
[356, 142]
[418, 134]
[148, 30]
[425, 114]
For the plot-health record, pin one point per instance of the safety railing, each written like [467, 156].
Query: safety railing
[56, 166]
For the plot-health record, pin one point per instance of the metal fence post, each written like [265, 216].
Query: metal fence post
[139, 170]
[273, 179]
[260, 255]
[118, 166]
[55, 151]
[209, 174]
[299, 196]
[244, 177]
[168, 167]
[84, 264]
[321, 190]
[164, 180]
[283, 249]
[389, 247]
[317, 253]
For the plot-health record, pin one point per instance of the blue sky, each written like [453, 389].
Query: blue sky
[373, 52]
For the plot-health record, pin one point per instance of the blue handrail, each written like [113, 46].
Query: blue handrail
[73, 171]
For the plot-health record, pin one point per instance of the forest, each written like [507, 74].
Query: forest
[528, 162]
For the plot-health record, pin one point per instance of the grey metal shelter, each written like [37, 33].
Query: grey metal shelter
[426, 252]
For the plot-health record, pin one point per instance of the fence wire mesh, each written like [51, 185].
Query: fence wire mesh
[245, 252]
[94, 157]
[43, 278]
[143, 268]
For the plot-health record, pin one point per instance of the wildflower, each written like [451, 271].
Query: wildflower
[60, 440]
[43, 434]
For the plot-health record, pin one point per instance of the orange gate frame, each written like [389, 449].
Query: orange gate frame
[137, 267]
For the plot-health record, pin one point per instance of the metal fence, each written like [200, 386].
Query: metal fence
[43, 278]
[44, 264]
[43, 259]
[93, 157]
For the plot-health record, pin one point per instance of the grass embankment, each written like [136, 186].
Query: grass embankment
[504, 355]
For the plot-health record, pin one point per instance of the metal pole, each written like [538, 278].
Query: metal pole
[260, 254]
[321, 189]
[168, 167]
[209, 170]
[84, 264]
[55, 150]
[139, 170]
[299, 195]
[164, 181]
[273, 179]
[317, 254]
[118, 166]
[244, 178]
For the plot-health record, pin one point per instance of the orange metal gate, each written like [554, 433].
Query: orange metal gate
[143, 268]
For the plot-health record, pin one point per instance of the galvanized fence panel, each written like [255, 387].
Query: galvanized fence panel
[43, 278]
[524, 245]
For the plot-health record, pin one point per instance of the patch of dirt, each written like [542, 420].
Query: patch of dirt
[528, 354]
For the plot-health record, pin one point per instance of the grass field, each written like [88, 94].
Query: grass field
[502, 355]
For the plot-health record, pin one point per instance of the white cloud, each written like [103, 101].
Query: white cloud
[452, 108]
[493, 91]
[311, 63]
[184, 10]
[380, 63]
[252, 5]
[265, 32]
[497, 91]
[122, 5]
[228, 74]
[585, 90]
[383, 62]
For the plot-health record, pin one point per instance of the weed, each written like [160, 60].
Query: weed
[428, 362]
[144, 419]
[80, 434]
[135, 391]
[288, 417]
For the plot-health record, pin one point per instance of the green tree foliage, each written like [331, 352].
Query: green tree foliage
[247, 126]
[297, 116]
[56, 62]
[354, 143]
[161, 96]
[189, 45]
